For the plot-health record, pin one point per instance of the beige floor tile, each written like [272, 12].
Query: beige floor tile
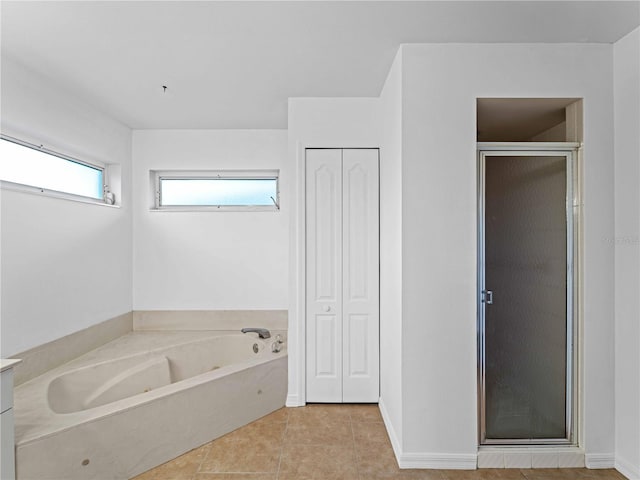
[235, 476]
[484, 474]
[156, 474]
[376, 457]
[319, 415]
[321, 462]
[256, 433]
[571, 474]
[180, 468]
[404, 475]
[365, 413]
[241, 457]
[368, 432]
[305, 434]
[326, 442]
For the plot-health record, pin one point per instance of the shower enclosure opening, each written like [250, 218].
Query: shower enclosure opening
[527, 289]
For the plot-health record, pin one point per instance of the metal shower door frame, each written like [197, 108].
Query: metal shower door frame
[560, 149]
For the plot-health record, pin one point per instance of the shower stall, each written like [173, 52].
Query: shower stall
[526, 293]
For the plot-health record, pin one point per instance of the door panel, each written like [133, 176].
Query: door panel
[342, 230]
[327, 233]
[324, 275]
[326, 344]
[360, 275]
[357, 348]
[356, 246]
[525, 317]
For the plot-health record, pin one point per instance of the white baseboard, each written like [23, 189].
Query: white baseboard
[439, 461]
[444, 461]
[599, 460]
[293, 400]
[632, 472]
[395, 441]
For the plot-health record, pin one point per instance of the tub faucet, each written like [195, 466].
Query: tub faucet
[262, 332]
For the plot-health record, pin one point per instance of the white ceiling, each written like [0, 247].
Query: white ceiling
[233, 64]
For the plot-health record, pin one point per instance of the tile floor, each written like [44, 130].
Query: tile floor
[325, 442]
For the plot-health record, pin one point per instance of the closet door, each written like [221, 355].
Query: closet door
[324, 275]
[360, 275]
[342, 261]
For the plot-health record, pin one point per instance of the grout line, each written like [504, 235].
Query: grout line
[206, 455]
[355, 450]
[282, 440]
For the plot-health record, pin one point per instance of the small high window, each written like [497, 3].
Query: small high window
[216, 190]
[28, 167]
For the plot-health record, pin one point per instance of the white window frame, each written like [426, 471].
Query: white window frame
[158, 175]
[32, 189]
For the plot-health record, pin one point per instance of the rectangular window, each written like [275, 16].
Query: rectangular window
[29, 165]
[215, 190]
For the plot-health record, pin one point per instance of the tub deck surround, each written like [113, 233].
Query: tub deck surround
[104, 433]
[7, 363]
[7, 455]
[43, 358]
[209, 319]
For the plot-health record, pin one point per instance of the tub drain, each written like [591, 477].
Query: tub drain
[255, 348]
[85, 462]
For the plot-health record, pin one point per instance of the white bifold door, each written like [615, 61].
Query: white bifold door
[342, 280]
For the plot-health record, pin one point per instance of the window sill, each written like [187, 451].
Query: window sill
[43, 192]
[217, 209]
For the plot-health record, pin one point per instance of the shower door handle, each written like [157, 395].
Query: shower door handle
[487, 297]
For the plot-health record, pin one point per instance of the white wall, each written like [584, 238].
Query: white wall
[316, 122]
[626, 64]
[65, 265]
[440, 87]
[391, 252]
[209, 260]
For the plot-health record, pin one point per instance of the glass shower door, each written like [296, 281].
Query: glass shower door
[526, 297]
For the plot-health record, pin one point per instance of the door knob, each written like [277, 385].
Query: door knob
[327, 308]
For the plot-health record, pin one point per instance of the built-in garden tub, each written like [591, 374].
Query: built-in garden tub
[142, 400]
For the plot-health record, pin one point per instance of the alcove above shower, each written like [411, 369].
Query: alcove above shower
[529, 120]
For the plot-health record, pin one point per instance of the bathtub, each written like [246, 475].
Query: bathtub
[142, 400]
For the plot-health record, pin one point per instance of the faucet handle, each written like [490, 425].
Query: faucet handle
[277, 345]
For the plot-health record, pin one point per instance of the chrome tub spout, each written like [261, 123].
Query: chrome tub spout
[262, 332]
